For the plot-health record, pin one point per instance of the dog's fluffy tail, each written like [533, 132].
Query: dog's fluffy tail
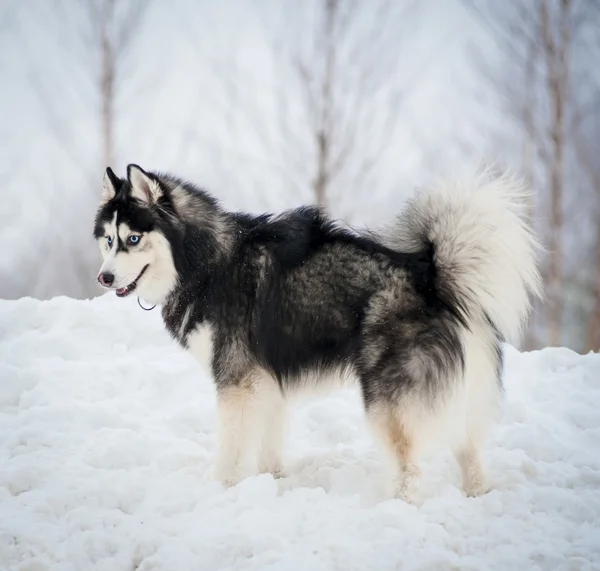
[484, 249]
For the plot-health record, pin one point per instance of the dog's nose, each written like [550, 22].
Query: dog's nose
[106, 279]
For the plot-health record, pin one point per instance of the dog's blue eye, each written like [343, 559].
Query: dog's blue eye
[109, 241]
[133, 240]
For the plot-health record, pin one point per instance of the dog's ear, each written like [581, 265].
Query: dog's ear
[110, 185]
[144, 186]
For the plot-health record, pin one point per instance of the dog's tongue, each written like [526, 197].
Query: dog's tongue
[121, 290]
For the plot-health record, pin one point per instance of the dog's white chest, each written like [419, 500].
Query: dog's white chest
[200, 344]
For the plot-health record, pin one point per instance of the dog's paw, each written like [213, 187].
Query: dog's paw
[406, 488]
[227, 477]
[476, 489]
[230, 482]
[277, 472]
[273, 468]
[405, 493]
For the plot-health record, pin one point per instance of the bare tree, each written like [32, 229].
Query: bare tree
[556, 51]
[107, 81]
[84, 80]
[114, 32]
[100, 34]
[340, 78]
[515, 30]
[113, 26]
[585, 133]
[348, 74]
[537, 40]
[319, 97]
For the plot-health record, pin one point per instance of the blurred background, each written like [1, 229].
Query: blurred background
[270, 104]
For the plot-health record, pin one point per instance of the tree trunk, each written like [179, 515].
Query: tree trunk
[322, 178]
[556, 53]
[107, 83]
[324, 133]
[593, 336]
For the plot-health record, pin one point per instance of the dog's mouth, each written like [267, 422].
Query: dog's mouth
[125, 291]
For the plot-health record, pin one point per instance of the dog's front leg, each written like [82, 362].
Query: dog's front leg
[271, 455]
[244, 405]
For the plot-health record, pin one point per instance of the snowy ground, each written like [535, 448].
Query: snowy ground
[107, 430]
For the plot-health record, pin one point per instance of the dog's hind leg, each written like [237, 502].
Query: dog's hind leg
[471, 466]
[483, 362]
[244, 404]
[402, 448]
[468, 450]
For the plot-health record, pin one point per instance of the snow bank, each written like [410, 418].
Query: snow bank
[107, 430]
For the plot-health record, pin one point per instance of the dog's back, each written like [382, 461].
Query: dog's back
[301, 292]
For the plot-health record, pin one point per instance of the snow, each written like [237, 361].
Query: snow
[107, 432]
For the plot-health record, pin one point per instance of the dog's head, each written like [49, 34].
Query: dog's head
[131, 228]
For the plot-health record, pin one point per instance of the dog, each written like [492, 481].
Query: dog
[274, 304]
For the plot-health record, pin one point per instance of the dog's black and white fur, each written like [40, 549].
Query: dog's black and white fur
[279, 303]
